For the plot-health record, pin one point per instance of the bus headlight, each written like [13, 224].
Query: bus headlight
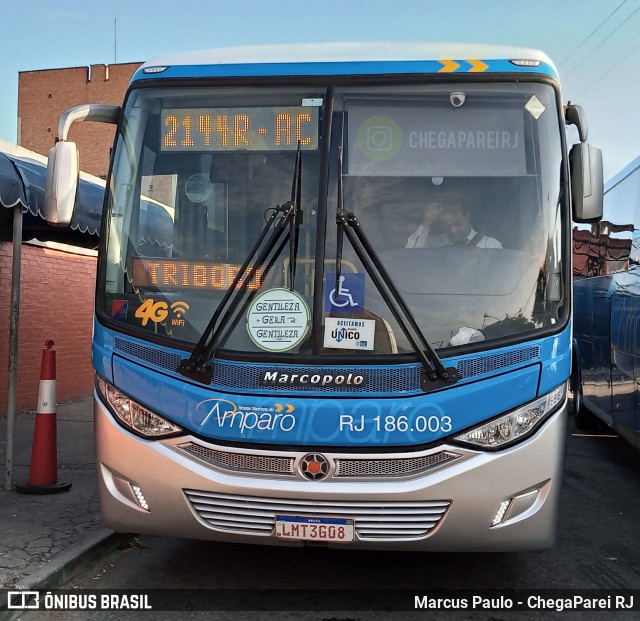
[516, 425]
[132, 415]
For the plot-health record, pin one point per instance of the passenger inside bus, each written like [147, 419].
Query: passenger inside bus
[444, 225]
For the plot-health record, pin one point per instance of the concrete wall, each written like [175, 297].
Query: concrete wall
[57, 298]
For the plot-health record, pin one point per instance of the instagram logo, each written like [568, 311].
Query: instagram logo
[379, 138]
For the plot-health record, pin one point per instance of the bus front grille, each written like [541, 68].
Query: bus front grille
[240, 462]
[374, 521]
[402, 467]
[237, 462]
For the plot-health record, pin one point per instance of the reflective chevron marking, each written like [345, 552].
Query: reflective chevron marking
[477, 66]
[462, 66]
[448, 66]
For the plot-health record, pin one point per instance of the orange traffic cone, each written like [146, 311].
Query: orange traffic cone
[43, 472]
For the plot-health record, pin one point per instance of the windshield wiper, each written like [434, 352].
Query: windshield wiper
[198, 366]
[296, 218]
[341, 219]
[434, 373]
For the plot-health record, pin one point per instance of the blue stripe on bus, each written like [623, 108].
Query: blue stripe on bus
[333, 419]
[337, 68]
[326, 420]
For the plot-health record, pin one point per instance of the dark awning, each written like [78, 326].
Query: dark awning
[22, 182]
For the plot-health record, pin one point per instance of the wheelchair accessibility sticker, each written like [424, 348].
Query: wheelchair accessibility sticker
[348, 296]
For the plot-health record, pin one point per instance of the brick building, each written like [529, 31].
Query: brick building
[57, 290]
[44, 95]
[56, 302]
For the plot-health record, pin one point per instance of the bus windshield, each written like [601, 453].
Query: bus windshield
[456, 186]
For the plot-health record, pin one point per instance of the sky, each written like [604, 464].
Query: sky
[595, 44]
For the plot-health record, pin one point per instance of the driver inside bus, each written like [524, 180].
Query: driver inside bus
[444, 225]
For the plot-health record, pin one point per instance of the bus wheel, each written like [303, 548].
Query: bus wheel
[583, 418]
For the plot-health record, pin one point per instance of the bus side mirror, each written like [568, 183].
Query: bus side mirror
[62, 183]
[585, 164]
[63, 166]
[574, 115]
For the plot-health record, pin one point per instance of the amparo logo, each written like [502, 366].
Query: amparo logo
[227, 415]
[379, 138]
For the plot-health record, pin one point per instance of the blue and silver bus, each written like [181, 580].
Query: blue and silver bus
[334, 295]
[607, 312]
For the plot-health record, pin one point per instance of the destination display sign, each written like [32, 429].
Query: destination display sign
[239, 129]
[172, 274]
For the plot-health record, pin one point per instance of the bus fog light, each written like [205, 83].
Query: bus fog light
[515, 507]
[142, 501]
[502, 511]
[516, 425]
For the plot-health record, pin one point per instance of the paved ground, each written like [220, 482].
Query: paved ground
[47, 540]
[42, 536]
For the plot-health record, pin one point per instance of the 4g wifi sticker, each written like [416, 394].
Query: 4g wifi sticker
[159, 311]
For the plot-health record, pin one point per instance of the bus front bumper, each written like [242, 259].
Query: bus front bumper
[445, 498]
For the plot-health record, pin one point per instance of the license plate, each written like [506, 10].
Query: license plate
[314, 528]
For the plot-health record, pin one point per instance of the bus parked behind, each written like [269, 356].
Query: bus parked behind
[606, 260]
